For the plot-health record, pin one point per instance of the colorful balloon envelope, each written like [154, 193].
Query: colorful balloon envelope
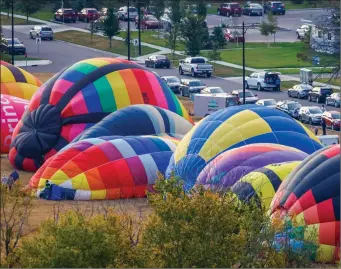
[12, 109]
[234, 127]
[139, 120]
[104, 168]
[261, 184]
[17, 82]
[310, 197]
[230, 166]
[79, 97]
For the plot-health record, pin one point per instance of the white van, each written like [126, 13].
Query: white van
[206, 104]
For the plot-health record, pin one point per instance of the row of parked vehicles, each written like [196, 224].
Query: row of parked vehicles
[234, 9]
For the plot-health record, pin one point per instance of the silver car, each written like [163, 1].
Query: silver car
[300, 91]
[122, 13]
[44, 32]
[310, 114]
[267, 102]
[191, 86]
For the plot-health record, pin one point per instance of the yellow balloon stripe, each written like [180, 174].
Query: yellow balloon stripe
[6, 75]
[116, 82]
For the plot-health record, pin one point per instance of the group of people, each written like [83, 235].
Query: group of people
[10, 180]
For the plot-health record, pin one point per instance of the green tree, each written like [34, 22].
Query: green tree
[201, 6]
[192, 33]
[111, 25]
[92, 30]
[313, 2]
[29, 7]
[159, 6]
[172, 38]
[6, 5]
[269, 27]
[218, 37]
[215, 55]
[78, 241]
[175, 14]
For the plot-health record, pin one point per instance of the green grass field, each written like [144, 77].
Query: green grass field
[8, 58]
[278, 55]
[151, 37]
[293, 71]
[44, 15]
[5, 20]
[99, 42]
[333, 81]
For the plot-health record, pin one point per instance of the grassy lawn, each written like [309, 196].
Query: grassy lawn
[288, 5]
[285, 85]
[8, 58]
[278, 55]
[334, 81]
[45, 15]
[291, 71]
[99, 42]
[219, 70]
[151, 37]
[8, 21]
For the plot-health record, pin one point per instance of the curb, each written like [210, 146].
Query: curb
[32, 63]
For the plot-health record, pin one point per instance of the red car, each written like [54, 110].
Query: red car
[332, 119]
[66, 15]
[232, 38]
[148, 22]
[89, 14]
[229, 9]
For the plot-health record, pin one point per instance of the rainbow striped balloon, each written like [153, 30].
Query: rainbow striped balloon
[17, 82]
[79, 97]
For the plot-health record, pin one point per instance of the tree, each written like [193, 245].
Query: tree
[172, 38]
[92, 30]
[159, 6]
[75, 241]
[215, 54]
[201, 9]
[111, 25]
[313, 2]
[297, 1]
[218, 37]
[175, 11]
[273, 25]
[6, 4]
[29, 7]
[268, 27]
[15, 209]
[192, 33]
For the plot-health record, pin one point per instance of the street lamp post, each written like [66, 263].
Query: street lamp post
[128, 31]
[12, 50]
[244, 32]
[139, 25]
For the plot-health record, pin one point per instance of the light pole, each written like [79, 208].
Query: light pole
[12, 50]
[244, 32]
[128, 31]
[139, 25]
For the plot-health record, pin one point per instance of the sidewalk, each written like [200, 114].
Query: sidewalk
[32, 63]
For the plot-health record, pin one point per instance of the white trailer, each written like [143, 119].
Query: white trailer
[206, 104]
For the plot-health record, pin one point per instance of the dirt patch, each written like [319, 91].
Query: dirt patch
[43, 77]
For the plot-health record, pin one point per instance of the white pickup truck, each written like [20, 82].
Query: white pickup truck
[195, 66]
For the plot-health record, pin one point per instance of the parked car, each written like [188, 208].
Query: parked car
[263, 81]
[195, 66]
[173, 83]
[290, 107]
[310, 114]
[276, 7]
[333, 100]
[250, 98]
[319, 94]
[229, 9]
[267, 102]
[332, 119]
[66, 15]
[44, 32]
[18, 48]
[122, 13]
[300, 91]
[253, 9]
[156, 61]
[233, 37]
[302, 31]
[148, 22]
[189, 86]
[213, 90]
[89, 14]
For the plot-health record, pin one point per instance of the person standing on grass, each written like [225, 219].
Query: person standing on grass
[323, 124]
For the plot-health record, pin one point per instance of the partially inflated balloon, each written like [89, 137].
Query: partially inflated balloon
[234, 127]
[310, 197]
[17, 82]
[79, 97]
[230, 166]
[139, 120]
[105, 168]
[12, 108]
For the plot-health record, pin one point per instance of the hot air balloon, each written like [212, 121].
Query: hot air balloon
[234, 127]
[310, 198]
[79, 97]
[139, 120]
[261, 184]
[17, 82]
[230, 166]
[104, 168]
[12, 108]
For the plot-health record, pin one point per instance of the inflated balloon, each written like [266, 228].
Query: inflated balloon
[17, 82]
[230, 166]
[12, 108]
[79, 97]
[261, 184]
[310, 197]
[234, 127]
[104, 168]
[139, 120]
